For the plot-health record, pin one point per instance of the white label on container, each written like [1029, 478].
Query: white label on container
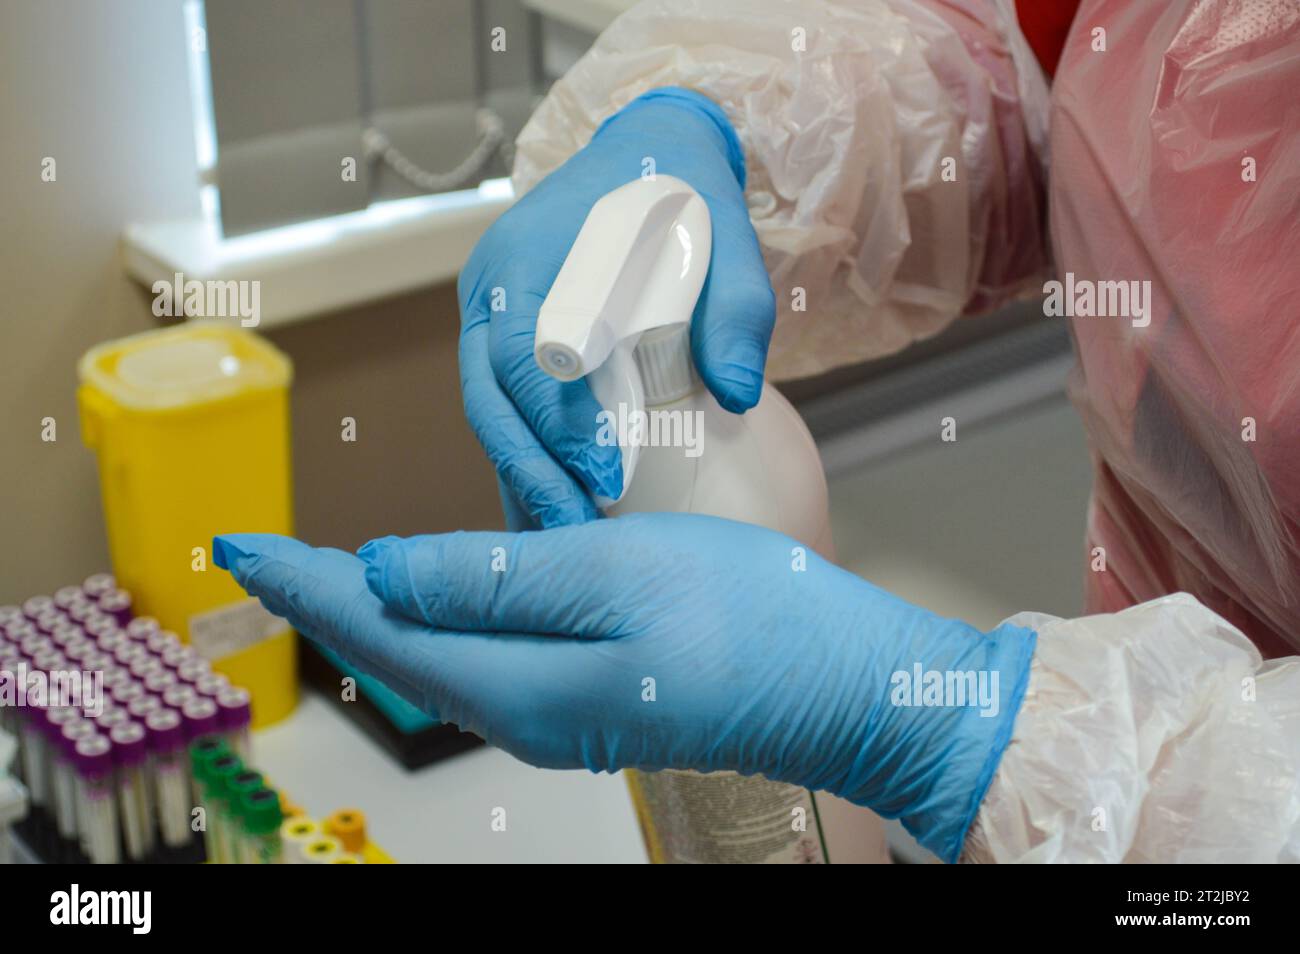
[232, 628]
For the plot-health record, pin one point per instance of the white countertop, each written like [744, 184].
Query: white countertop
[443, 813]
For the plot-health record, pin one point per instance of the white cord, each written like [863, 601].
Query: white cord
[491, 132]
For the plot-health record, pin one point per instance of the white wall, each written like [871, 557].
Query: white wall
[101, 88]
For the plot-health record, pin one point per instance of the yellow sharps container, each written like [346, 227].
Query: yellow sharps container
[191, 427]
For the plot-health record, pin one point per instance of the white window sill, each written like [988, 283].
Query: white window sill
[317, 267]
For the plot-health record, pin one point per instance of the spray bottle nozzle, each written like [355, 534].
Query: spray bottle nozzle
[637, 264]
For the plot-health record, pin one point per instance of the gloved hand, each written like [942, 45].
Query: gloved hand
[543, 644]
[538, 432]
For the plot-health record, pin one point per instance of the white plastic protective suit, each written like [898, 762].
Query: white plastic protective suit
[1156, 732]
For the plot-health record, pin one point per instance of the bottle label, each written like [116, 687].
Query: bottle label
[232, 628]
[726, 818]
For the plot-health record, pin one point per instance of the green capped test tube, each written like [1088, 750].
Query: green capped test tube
[260, 818]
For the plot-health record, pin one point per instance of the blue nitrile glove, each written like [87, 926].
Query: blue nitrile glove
[544, 643]
[540, 433]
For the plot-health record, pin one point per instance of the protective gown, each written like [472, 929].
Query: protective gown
[897, 173]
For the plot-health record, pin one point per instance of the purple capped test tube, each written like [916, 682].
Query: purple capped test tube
[111, 639]
[159, 682]
[211, 685]
[115, 676]
[96, 660]
[12, 670]
[46, 620]
[117, 604]
[65, 632]
[35, 746]
[161, 640]
[142, 666]
[100, 626]
[174, 657]
[171, 776]
[143, 707]
[130, 755]
[35, 605]
[200, 716]
[127, 692]
[10, 614]
[49, 661]
[78, 651]
[16, 632]
[63, 736]
[92, 759]
[140, 628]
[98, 584]
[82, 611]
[235, 713]
[65, 596]
[109, 719]
[33, 645]
[179, 695]
[194, 670]
[128, 652]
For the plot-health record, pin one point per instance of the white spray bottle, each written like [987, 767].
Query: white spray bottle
[619, 313]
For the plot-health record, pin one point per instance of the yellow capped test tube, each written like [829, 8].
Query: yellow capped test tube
[191, 428]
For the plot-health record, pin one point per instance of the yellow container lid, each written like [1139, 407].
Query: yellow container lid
[199, 362]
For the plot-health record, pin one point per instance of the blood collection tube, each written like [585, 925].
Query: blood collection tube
[115, 676]
[130, 753]
[50, 660]
[63, 632]
[97, 584]
[97, 797]
[96, 660]
[171, 777]
[12, 667]
[145, 664]
[98, 627]
[35, 754]
[35, 605]
[76, 651]
[127, 652]
[9, 613]
[260, 821]
[200, 716]
[117, 604]
[110, 719]
[229, 804]
[322, 850]
[193, 670]
[348, 825]
[82, 611]
[174, 657]
[295, 835]
[212, 685]
[161, 640]
[65, 596]
[63, 784]
[35, 644]
[124, 693]
[160, 681]
[109, 640]
[47, 619]
[143, 707]
[140, 628]
[216, 777]
[235, 712]
[16, 632]
[178, 695]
